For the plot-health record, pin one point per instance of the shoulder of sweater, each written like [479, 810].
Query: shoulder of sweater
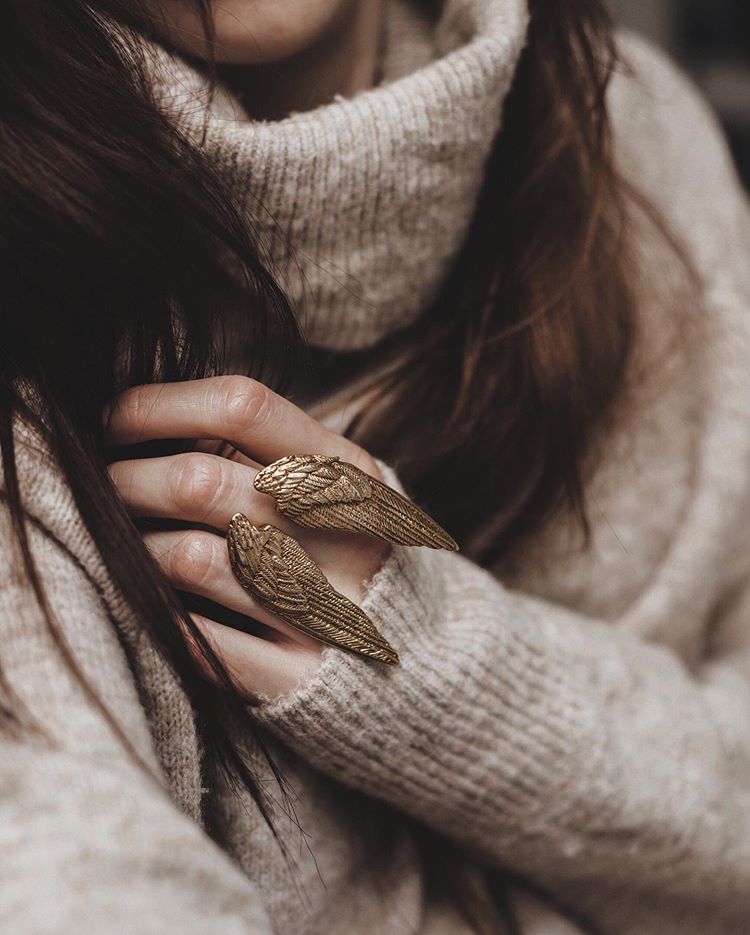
[656, 109]
[36, 653]
[47, 499]
[90, 838]
[76, 586]
[670, 146]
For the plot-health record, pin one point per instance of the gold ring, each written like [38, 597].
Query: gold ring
[326, 493]
[277, 572]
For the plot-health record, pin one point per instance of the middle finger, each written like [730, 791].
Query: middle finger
[196, 488]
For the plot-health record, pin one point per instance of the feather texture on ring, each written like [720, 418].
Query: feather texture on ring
[326, 493]
[276, 571]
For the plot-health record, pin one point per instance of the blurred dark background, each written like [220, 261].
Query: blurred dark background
[711, 40]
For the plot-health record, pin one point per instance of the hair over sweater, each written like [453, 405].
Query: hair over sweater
[578, 715]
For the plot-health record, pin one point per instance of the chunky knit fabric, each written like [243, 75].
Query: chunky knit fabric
[362, 205]
[578, 716]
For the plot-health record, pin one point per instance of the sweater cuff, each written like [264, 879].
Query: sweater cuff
[349, 718]
[399, 600]
[480, 718]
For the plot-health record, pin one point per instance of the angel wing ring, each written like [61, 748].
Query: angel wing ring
[327, 493]
[277, 572]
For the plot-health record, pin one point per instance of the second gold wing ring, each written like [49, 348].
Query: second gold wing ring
[277, 572]
[323, 492]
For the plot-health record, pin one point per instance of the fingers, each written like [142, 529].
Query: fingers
[257, 667]
[262, 424]
[197, 562]
[194, 487]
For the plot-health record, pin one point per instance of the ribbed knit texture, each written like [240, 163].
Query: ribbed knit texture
[361, 206]
[579, 715]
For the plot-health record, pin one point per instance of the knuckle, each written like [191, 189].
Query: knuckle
[194, 481]
[133, 407]
[245, 403]
[193, 559]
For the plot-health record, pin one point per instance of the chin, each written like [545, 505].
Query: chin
[251, 32]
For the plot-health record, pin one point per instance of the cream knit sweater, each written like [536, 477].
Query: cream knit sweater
[580, 715]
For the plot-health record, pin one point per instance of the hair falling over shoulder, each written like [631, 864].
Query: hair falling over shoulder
[115, 233]
[520, 360]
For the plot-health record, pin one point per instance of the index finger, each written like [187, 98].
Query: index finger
[259, 422]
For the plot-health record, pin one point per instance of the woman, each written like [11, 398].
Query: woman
[523, 285]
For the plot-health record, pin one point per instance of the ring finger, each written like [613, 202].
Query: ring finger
[197, 562]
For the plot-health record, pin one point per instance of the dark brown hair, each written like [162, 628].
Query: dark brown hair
[114, 239]
[507, 379]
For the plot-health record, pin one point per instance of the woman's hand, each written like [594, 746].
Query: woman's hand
[207, 489]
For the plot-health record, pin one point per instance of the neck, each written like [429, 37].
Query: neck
[343, 62]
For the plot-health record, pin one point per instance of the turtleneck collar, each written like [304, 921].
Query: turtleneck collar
[361, 205]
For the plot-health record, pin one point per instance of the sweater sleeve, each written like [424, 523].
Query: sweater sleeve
[89, 841]
[609, 769]
[559, 746]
